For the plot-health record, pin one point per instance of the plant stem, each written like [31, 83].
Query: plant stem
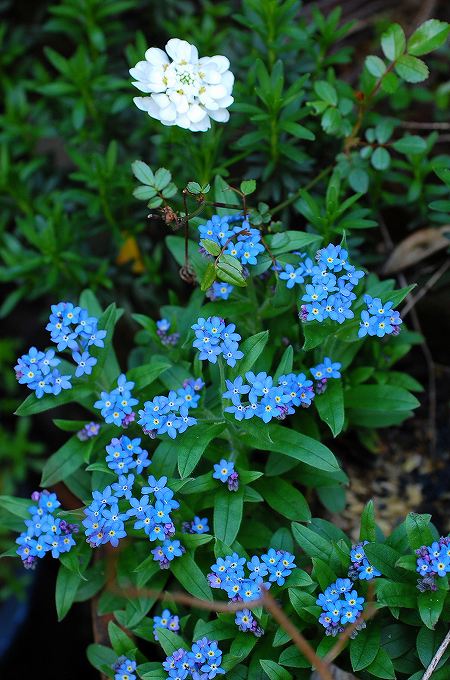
[297, 194]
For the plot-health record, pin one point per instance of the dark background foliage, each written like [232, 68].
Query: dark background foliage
[68, 219]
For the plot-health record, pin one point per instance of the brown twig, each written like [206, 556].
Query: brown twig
[297, 638]
[423, 291]
[189, 600]
[437, 657]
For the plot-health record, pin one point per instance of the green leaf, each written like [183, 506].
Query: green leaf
[375, 66]
[162, 178]
[101, 657]
[384, 558]
[364, 648]
[251, 348]
[228, 507]
[145, 375]
[396, 594]
[326, 92]
[16, 506]
[170, 641]
[368, 526]
[359, 180]
[229, 269]
[284, 499]
[377, 398]
[290, 443]
[286, 363]
[208, 277]
[274, 671]
[312, 543]
[65, 461]
[428, 642]
[428, 37]
[411, 69]
[194, 188]
[393, 42]
[297, 130]
[33, 405]
[191, 577]
[67, 583]
[143, 173]
[211, 247]
[248, 186]
[292, 657]
[224, 194]
[380, 158]
[120, 642]
[410, 144]
[191, 445]
[322, 573]
[430, 606]
[330, 406]
[418, 530]
[382, 666]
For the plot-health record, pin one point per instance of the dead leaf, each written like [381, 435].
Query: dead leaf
[416, 247]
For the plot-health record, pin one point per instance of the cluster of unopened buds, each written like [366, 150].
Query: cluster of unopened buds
[162, 329]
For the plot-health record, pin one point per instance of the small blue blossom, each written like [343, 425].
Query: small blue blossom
[379, 319]
[166, 620]
[219, 291]
[223, 470]
[124, 669]
[117, 406]
[234, 233]
[214, 338]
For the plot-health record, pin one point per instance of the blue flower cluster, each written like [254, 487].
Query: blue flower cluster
[36, 371]
[213, 337]
[323, 372]
[88, 431]
[202, 662]
[199, 525]
[71, 328]
[117, 406]
[341, 605]
[224, 471]
[125, 454]
[379, 319]
[228, 574]
[162, 329]
[360, 566]
[266, 400]
[124, 669]
[44, 532]
[433, 561]
[329, 292]
[235, 235]
[166, 620]
[170, 414]
[105, 522]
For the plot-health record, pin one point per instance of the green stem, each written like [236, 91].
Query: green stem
[222, 381]
[326, 171]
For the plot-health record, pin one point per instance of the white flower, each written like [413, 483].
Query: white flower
[184, 90]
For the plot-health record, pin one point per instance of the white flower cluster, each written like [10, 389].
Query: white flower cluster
[184, 90]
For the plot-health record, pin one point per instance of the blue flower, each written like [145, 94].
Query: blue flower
[293, 275]
[367, 572]
[223, 470]
[220, 291]
[85, 363]
[214, 338]
[244, 620]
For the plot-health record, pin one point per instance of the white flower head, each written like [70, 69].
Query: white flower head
[184, 90]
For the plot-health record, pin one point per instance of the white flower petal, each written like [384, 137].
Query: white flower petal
[220, 116]
[196, 113]
[156, 56]
[216, 91]
[222, 63]
[180, 50]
